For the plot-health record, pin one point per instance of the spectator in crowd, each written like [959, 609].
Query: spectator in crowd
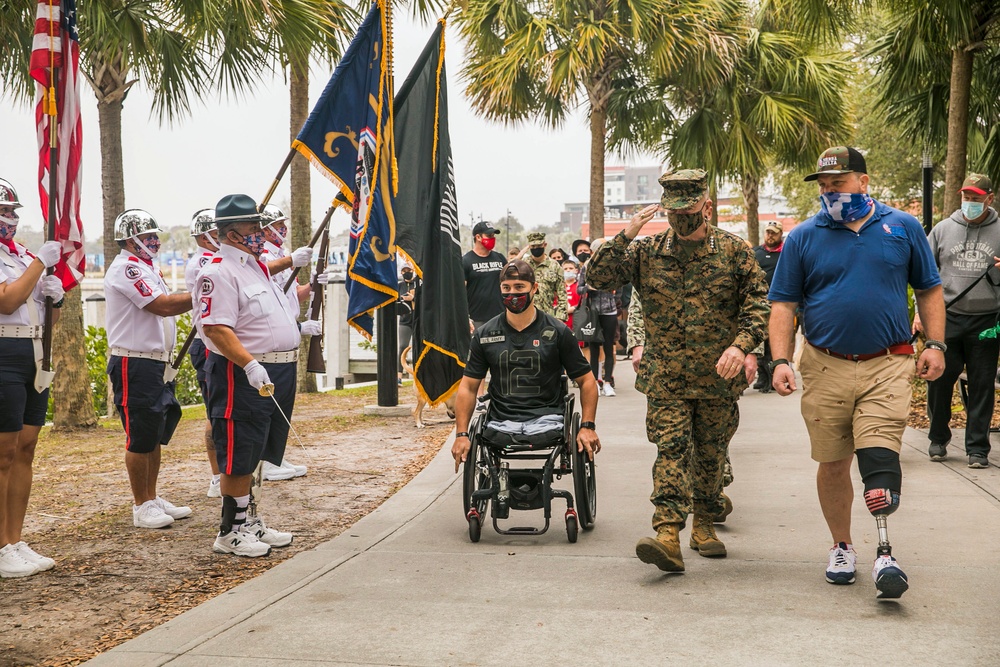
[605, 304]
[581, 250]
[557, 255]
[549, 278]
[482, 267]
[767, 256]
[570, 274]
[965, 247]
[405, 308]
[513, 253]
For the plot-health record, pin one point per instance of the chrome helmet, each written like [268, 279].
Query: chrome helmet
[203, 222]
[8, 195]
[133, 222]
[271, 214]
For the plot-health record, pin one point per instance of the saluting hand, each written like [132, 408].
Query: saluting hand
[640, 219]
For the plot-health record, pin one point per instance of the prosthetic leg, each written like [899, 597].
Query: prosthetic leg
[883, 478]
[274, 538]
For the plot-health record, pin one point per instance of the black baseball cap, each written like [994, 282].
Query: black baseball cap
[484, 228]
[839, 160]
[518, 269]
[577, 243]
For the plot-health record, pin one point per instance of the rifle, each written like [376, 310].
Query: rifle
[316, 362]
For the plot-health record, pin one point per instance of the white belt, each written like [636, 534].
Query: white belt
[23, 331]
[277, 357]
[155, 356]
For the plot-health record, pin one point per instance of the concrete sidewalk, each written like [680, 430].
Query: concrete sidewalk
[404, 586]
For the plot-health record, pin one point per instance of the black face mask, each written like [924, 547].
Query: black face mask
[517, 302]
[537, 252]
[583, 256]
[408, 276]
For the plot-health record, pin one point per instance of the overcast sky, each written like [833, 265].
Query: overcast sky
[230, 146]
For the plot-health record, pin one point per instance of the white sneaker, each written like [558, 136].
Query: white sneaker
[842, 568]
[172, 510]
[273, 473]
[299, 470]
[44, 563]
[267, 535]
[890, 581]
[215, 488]
[13, 564]
[150, 515]
[240, 543]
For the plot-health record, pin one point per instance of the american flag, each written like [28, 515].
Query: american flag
[56, 44]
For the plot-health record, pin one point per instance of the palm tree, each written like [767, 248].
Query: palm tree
[927, 54]
[529, 60]
[779, 106]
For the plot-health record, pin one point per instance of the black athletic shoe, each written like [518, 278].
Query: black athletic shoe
[978, 461]
[938, 451]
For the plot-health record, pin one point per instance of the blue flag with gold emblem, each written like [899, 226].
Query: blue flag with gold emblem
[349, 139]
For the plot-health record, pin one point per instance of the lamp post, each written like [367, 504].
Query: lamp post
[507, 232]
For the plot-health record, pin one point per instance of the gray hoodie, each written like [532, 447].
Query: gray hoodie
[963, 252]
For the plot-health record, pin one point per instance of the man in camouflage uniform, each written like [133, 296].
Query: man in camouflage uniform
[551, 297]
[705, 305]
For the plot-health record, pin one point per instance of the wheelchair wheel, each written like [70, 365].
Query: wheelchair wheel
[476, 476]
[572, 527]
[475, 529]
[584, 482]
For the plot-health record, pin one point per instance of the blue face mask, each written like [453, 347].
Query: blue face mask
[846, 206]
[972, 209]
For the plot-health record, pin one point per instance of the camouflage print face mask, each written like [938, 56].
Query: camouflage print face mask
[685, 224]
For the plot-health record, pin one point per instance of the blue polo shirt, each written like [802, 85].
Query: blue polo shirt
[852, 286]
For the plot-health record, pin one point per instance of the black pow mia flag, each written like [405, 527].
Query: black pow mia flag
[427, 224]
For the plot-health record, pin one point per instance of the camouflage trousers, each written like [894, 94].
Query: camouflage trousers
[692, 442]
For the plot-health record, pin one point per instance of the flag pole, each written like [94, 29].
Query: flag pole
[52, 110]
[277, 179]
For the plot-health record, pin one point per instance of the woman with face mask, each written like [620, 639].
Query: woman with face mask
[24, 392]
[605, 304]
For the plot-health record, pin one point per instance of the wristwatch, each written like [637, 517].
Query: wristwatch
[777, 362]
[935, 345]
[591, 425]
[462, 434]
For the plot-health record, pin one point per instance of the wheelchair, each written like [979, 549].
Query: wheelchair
[492, 485]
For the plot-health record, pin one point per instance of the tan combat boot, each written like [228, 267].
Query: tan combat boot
[704, 540]
[665, 551]
[726, 510]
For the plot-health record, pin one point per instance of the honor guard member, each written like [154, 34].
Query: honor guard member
[280, 266]
[142, 333]
[206, 236]
[704, 303]
[549, 278]
[24, 389]
[250, 329]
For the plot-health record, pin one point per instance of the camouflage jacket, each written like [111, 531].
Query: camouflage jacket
[692, 310]
[551, 288]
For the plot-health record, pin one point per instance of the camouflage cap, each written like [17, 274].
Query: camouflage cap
[977, 183]
[839, 160]
[536, 238]
[683, 188]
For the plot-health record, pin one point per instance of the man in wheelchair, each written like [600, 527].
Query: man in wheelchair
[526, 352]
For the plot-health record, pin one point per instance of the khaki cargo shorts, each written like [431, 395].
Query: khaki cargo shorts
[849, 405]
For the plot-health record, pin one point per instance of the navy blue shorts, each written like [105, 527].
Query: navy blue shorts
[247, 427]
[20, 404]
[199, 355]
[146, 404]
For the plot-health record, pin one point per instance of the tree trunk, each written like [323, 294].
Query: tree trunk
[751, 185]
[71, 395]
[713, 194]
[598, 139]
[958, 127]
[109, 115]
[301, 214]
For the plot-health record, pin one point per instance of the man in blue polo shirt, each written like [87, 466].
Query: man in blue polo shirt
[848, 267]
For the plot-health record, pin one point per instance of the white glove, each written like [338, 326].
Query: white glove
[302, 256]
[311, 328]
[50, 253]
[256, 374]
[324, 278]
[52, 287]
